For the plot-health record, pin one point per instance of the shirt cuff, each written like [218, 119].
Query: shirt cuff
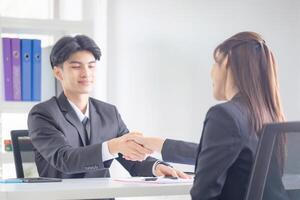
[154, 166]
[159, 162]
[106, 155]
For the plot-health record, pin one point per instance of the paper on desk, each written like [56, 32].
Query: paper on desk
[159, 180]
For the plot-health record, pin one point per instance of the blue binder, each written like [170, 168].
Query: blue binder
[36, 70]
[26, 69]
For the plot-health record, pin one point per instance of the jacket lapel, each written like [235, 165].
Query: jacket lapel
[95, 124]
[200, 145]
[71, 116]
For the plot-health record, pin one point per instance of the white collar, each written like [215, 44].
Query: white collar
[78, 112]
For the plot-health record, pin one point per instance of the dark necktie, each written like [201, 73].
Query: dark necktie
[87, 129]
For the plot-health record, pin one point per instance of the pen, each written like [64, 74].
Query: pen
[170, 177]
[190, 173]
[151, 179]
[155, 178]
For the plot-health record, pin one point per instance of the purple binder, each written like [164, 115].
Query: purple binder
[7, 69]
[16, 68]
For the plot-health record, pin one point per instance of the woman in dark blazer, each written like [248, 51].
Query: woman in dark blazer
[244, 76]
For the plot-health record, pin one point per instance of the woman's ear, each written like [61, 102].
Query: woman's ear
[57, 71]
[225, 62]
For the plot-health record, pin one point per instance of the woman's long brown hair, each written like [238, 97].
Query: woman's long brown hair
[255, 74]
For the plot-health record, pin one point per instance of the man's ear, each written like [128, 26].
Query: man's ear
[57, 71]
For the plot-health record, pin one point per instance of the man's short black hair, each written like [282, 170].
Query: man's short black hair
[68, 45]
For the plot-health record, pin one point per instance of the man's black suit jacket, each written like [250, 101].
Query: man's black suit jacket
[59, 140]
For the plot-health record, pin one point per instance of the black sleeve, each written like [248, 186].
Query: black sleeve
[177, 151]
[122, 128]
[220, 147]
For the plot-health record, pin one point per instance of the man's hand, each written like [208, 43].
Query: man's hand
[152, 143]
[163, 170]
[127, 146]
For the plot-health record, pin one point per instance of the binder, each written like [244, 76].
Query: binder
[8, 87]
[36, 70]
[26, 69]
[16, 68]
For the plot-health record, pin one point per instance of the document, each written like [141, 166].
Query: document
[154, 180]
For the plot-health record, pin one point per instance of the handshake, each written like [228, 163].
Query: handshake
[134, 146]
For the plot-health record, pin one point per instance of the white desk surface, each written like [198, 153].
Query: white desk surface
[102, 188]
[88, 189]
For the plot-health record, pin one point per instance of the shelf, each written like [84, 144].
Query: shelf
[7, 157]
[35, 27]
[52, 29]
[43, 26]
[16, 107]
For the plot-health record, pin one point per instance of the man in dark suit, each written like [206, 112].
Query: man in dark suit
[76, 136]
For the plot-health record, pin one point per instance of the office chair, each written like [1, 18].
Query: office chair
[263, 158]
[22, 150]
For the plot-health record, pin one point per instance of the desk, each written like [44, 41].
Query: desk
[89, 189]
[103, 188]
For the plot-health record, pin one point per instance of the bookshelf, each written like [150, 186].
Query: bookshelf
[43, 26]
[51, 27]
[55, 28]
[91, 20]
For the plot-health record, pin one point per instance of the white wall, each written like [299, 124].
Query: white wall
[160, 55]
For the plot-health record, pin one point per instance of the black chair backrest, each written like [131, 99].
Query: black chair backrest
[22, 149]
[263, 156]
